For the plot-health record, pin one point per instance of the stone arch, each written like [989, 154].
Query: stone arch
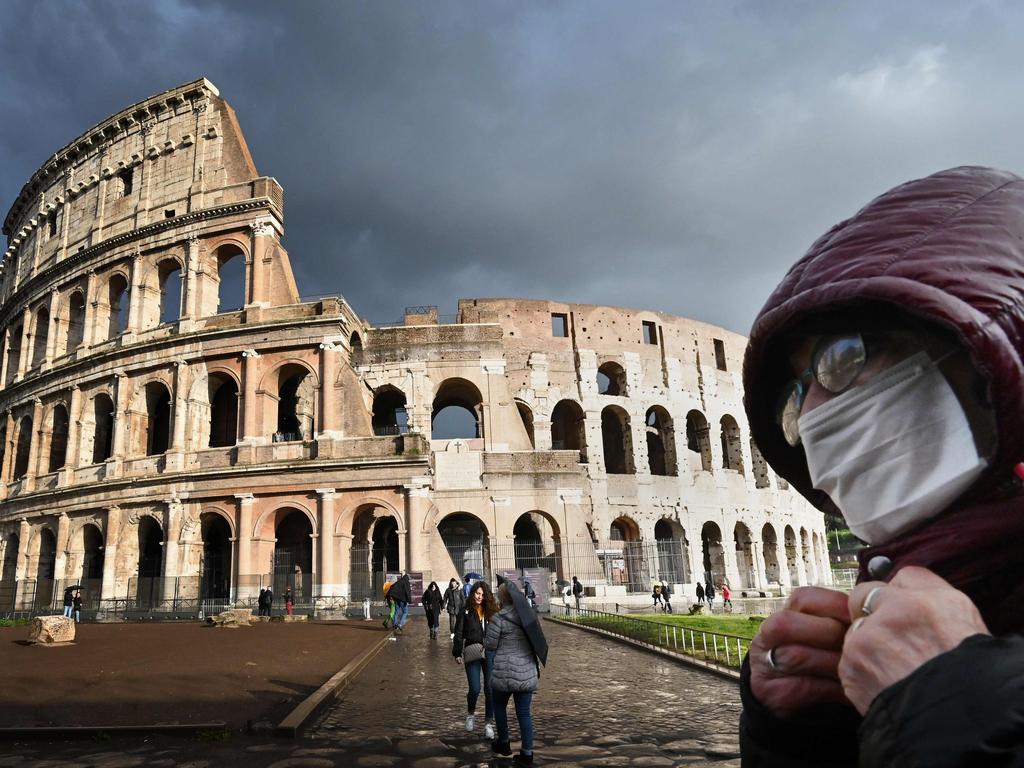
[73, 316]
[743, 539]
[294, 530]
[23, 445]
[118, 301]
[97, 434]
[611, 380]
[9, 571]
[149, 418]
[732, 452]
[222, 394]
[355, 342]
[59, 425]
[538, 542]
[673, 554]
[148, 587]
[390, 416]
[568, 428]
[377, 536]
[266, 525]
[630, 569]
[347, 519]
[45, 570]
[770, 548]
[526, 416]
[617, 438]
[759, 466]
[467, 540]
[85, 561]
[789, 542]
[40, 336]
[661, 442]
[714, 553]
[292, 387]
[698, 439]
[457, 411]
[216, 531]
[15, 338]
[229, 262]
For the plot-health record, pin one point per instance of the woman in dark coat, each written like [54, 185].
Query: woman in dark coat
[884, 380]
[432, 600]
[468, 650]
[453, 601]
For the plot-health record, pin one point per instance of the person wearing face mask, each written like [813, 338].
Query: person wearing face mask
[884, 380]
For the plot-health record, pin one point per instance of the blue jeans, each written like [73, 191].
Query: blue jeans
[67, 611]
[78, 617]
[401, 613]
[474, 670]
[524, 702]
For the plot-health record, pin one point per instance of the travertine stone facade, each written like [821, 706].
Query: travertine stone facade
[158, 436]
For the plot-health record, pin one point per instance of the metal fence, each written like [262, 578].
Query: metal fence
[714, 649]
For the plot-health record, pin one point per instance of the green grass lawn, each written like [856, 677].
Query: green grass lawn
[728, 624]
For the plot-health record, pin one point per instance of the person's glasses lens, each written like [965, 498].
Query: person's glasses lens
[789, 412]
[839, 362]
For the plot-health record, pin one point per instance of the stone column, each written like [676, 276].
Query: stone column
[121, 425]
[174, 459]
[250, 376]
[134, 298]
[89, 332]
[6, 361]
[417, 507]
[732, 571]
[10, 448]
[191, 286]
[757, 553]
[801, 570]
[51, 331]
[74, 450]
[21, 566]
[329, 426]
[36, 448]
[246, 585]
[262, 231]
[60, 563]
[113, 531]
[343, 565]
[26, 342]
[328, 585]
[173, 520]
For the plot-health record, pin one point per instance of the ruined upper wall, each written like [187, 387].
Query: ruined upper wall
[159, 159]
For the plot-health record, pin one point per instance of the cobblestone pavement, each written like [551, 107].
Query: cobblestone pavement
[600, 704]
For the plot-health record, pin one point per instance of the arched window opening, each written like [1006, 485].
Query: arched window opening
[714, 553]
[40, 337]
[661, 442]
[21, 458]
[759, 465]
[293, 556]
[45, 569]
[389, 414]
[14, 341]
[58, 439]
[92, 553]
[744, 555]
[9, 572]
[3, 450]
[76, 322]
[770, 547]
[215, 573]
[223, 411]
[466, 540]
[617, 440]
[151, 539]
[671, 542]
[529, 548]
[611, 380]
[526, 415]
[623, 559]
[732, 454]
[231, 279]
[458, 410]
[158, 418]
[169, 275]
[295, 404]
[118, 302]
[568, 429]
[698, 438]
[375, 551]
[103, 437]
[355, 343]
[789, 538]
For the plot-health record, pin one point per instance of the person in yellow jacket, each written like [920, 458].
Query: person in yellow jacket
[390, 620]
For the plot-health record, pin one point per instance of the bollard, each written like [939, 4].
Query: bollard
[366, 609]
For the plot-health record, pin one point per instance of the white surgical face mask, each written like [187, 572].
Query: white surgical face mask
[893, 452]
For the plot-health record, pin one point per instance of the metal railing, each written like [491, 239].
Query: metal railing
[714, 649]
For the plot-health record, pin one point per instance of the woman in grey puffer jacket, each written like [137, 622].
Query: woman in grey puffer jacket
[515, 675]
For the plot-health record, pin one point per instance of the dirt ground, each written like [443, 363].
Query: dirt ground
[143, 674]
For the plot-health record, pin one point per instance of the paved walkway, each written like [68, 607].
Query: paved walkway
[601, 703]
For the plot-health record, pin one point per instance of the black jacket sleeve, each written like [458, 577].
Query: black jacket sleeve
[822, 737]
[458, 640]
[963, 708]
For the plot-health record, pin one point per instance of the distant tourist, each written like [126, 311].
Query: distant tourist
[453, 601]
[666, 595]
[401, 594]
[468, 650]
[261, 602]
[656, 595]
[77, 603]
[289, 602]
[69, 600]
[268, 602]
[515, 674]
[709, 595]
[432, 601]
[726, 596]
[700, 594]
[577, 592]
[530, 593]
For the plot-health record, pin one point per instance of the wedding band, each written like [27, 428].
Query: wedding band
[769, 658]
[865, 607]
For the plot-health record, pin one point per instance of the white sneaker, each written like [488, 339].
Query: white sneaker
[489, 730]
[470, 722]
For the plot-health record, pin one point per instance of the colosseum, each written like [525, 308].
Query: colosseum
[181, 427]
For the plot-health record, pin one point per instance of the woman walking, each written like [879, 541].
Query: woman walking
[515, 675]
[468, 650]
[453, 601]
[432, 605]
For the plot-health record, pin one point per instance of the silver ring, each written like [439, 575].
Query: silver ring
[769, 658]
[865, 607]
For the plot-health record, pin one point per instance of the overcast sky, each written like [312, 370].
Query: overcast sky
[673, 156]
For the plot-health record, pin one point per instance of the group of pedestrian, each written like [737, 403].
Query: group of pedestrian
[662, 597]
[706, 592]
[73, 604]
[265, 601]
[398, 595]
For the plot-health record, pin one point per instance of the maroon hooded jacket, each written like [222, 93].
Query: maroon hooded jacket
[949, 250]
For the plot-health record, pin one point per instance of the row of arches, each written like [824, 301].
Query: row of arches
[38, 337]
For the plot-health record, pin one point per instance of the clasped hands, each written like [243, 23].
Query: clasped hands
[826, 648]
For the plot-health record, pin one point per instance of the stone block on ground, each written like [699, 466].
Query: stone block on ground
[233, 617]
[50, 630]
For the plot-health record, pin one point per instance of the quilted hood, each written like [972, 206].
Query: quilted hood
[947, 249]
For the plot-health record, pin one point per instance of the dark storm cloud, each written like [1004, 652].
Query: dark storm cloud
[671, 156]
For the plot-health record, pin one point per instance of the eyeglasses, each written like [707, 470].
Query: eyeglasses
[835, 364]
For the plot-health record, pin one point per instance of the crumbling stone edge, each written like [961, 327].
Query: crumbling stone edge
[91, 731]
[728, 674]
[297, 719]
